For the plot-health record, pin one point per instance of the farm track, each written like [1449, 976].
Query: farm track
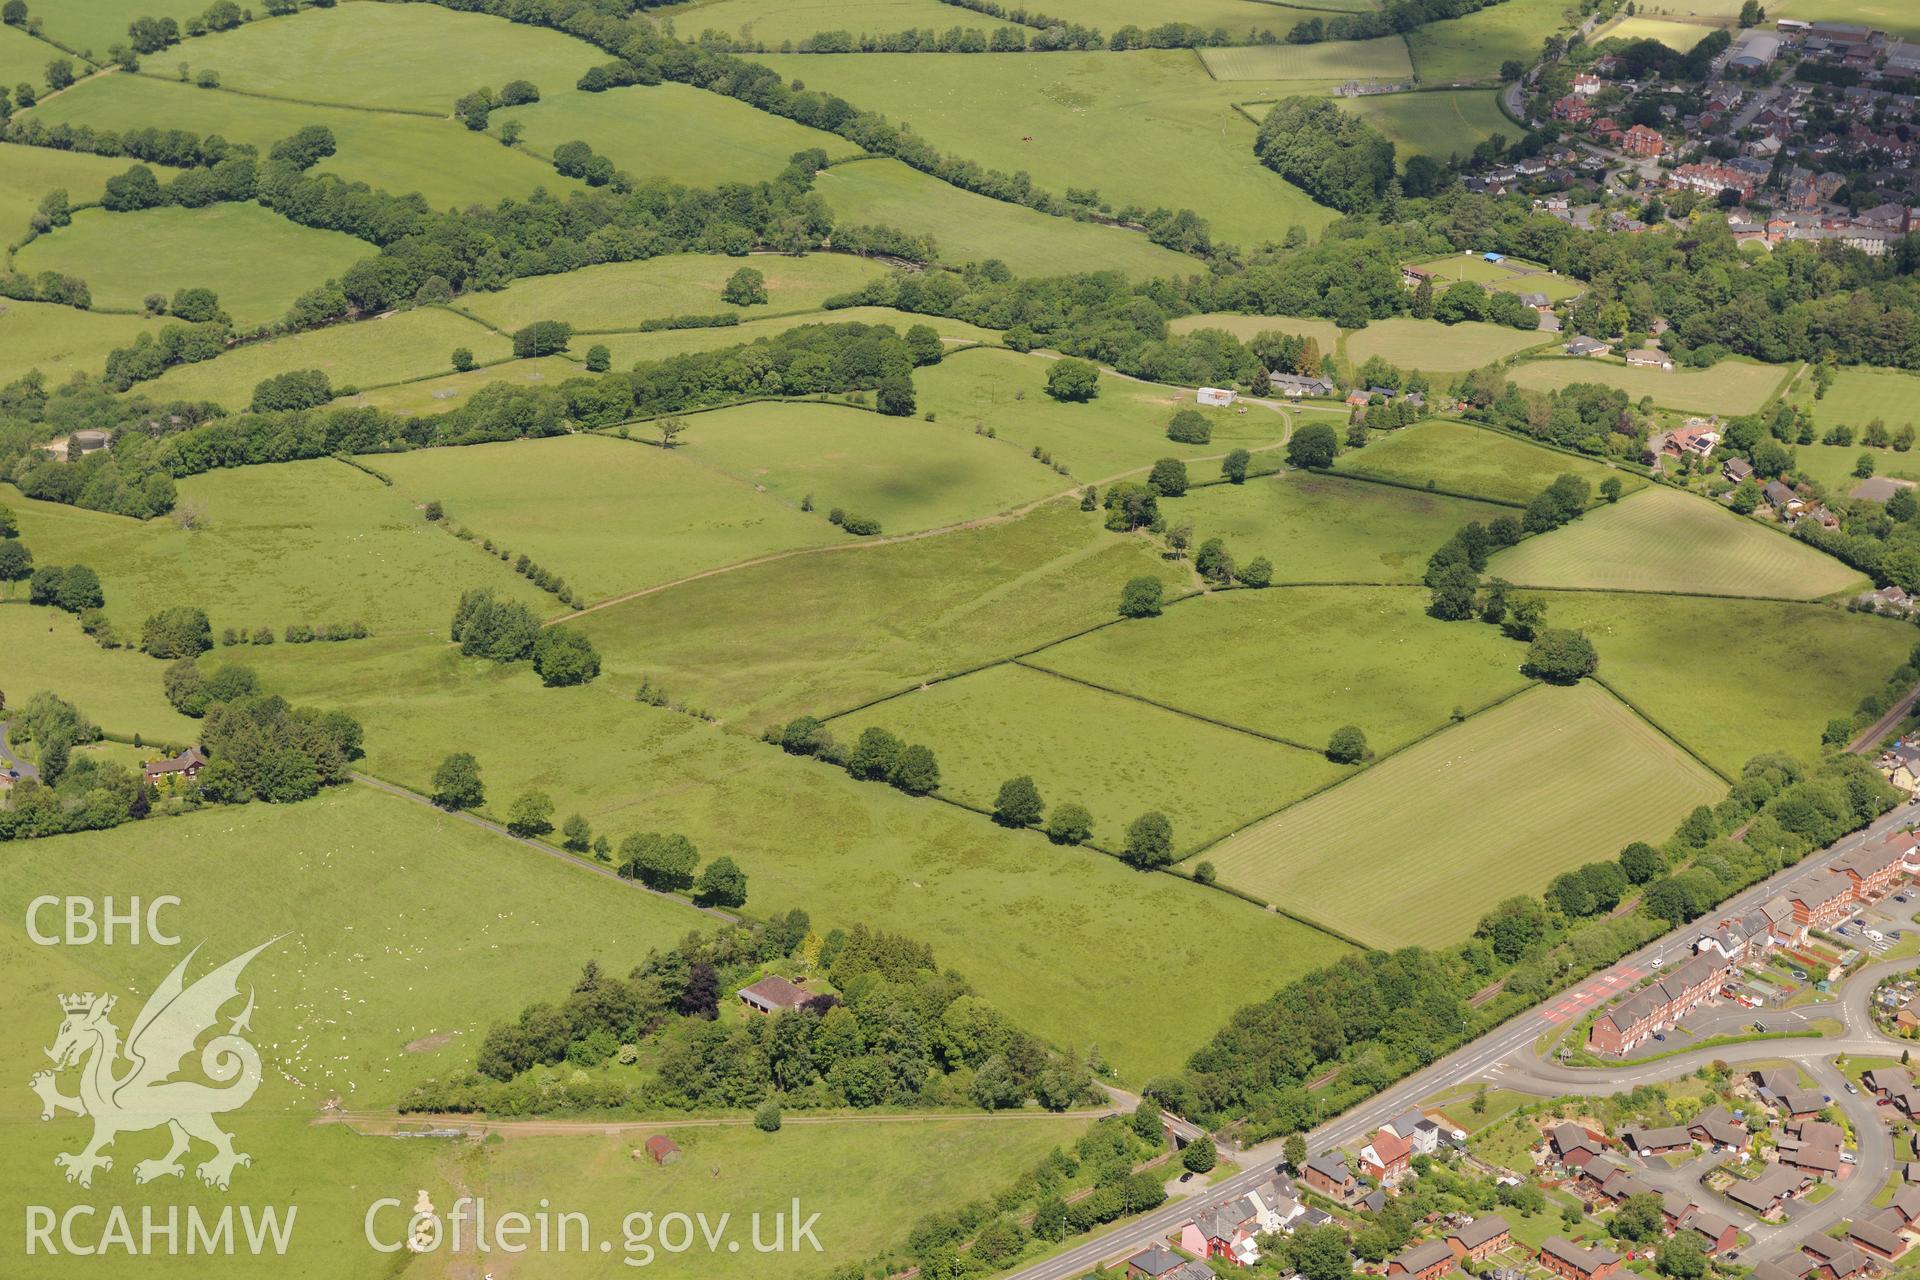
[383, 1123]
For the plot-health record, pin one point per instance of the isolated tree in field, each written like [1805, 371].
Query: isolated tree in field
[1455, 590]
[1313, 446]
[1168, 477]
[531, 814]
[1348, 745]
[894, 396]
[766, 1117]
[1212, 561]
[1189, 426]
[516, 93]
[915, 772]
[511, 132]
[563, 656]
[1019, 803]
[1073, 380]
[1256, 573]
[874, 754]
[16, 560]
[1199, 1155]
[1560, 656]
[1296, 1151]
[1205, 873]
[1610, 488]
[663, 862]
[1069, 824]
[180, 632]
[1234, 466]
[722, 884]
[14, 13]
[576, 835]
[59, 73]
[456, 783]
[462, 359]
[1149, 841]
[1141, 598]
[746, 287]
[542, 338]
[599, 359]
[1642, 862]
[670, 428]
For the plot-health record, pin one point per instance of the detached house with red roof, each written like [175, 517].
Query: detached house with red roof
[1642, 141]
[1385, 1158]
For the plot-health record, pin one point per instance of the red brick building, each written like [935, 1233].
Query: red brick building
[1427, 1261]
[1642, 141]
[1481, 1238]
[1571, 1262]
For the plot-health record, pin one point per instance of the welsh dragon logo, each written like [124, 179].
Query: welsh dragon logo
[129, 1088]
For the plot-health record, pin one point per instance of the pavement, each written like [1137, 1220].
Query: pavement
[1504, 1057]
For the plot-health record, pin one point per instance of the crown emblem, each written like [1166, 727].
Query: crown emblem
[77, 1003]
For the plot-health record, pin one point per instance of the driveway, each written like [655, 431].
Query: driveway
[8, 760]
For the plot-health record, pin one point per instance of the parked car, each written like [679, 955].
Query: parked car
[1759, 1026]
[1850, 1088]
[1659, 1035]
[1187, 1177]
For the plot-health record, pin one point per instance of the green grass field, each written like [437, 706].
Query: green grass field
[973, 228]
[60, 341]
[1117, 756]
[27, 174]
[1472, 48]
[1861, 393]
[440, 159]
[1453, 455]
[97, 25]
[1712, 672]
[769, 22]
[1730, 387]
[1831, 465]
[630, 348]
[1436, 124]
[1433, 347]
[437, 395]
[809, 836]
[608, 515]
[1893, 16]
[620, 295]
[1246, 328]
[1122, 429]
[1681, 36]
[370, 56]
[1321, 528]
[1344, 655]
[1062, 118]
[822, 632]
[1485, 804]
[1511, 276]
[1384, 59]
[868, 1182]
[672, 131]
[23, 59]
[904, 472]
[1665, 540]
[1236, 16]
[118, 688]
[407, 344]
[312, 542]
[126, 256]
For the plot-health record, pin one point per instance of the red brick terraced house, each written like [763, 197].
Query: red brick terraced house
[1427, 1261]
[1571, 1262]
[1874, 870]
[1481, 1238]
[1820, 901]
[1658, 1005]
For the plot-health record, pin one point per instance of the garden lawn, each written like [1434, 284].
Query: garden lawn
[398, 154]
[1665, 540]
[629, 348]
[1246, 328]
[973, 228]
[1466, 459]
[1322, 528]
[1084, 745]
[1384, 59]
[672, 131]
[1433, 347]
[118, 689]
[27, 174]
[413, 57]
[607, 515]
[407, 344]
[620, 295]
[313, 542]
[1063, 118]
[1496, 812]
[906, 473]
[823, 632]
[1472, 48]
[1861, 393]
[1731, 387]
[1122, 429]
[1510, 276]
[1713, 672]
[1038, 929]
[126, 256]
[59, 341]
[1342, 655]
[868, 1181]
[1443, 124]
[450, 391]
[1679, 36]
